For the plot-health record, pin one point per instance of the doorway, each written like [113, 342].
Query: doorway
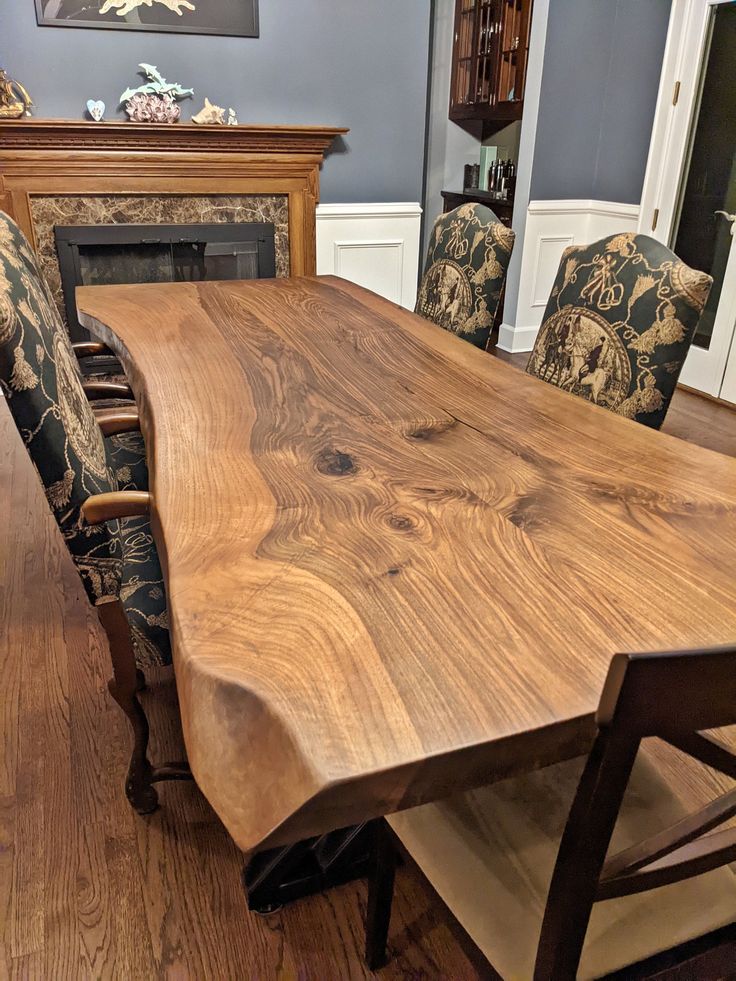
[693, 185]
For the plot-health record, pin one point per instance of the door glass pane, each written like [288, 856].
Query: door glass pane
[702, 238]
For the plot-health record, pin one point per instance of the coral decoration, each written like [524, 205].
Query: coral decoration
[152, 109]
[155, 100]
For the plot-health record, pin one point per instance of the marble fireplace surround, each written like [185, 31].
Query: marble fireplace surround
[67, 172]
[47, 211]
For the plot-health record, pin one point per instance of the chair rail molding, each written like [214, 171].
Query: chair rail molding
[551, 226]
[373, 245]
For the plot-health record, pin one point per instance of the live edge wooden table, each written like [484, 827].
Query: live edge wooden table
[395, 566]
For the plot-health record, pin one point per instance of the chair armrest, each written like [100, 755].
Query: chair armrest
[90, 349]
[118, 420]
[106, 390]
[116, 504]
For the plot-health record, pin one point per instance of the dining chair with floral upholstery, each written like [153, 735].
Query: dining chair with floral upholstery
[619, 323]
[465, 272]
[90, 463]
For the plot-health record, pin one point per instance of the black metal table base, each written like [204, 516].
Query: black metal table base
[281, 875]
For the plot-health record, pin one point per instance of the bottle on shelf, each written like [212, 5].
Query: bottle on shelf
[511, 179]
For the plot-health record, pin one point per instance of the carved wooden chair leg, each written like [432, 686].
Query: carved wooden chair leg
[380, 897]
[123, 686]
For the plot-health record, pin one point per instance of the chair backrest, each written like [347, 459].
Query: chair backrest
[672, 696]
[619, 323]
[465, 272]
[40, 378]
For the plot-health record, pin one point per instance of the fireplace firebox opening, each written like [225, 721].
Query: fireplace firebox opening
[97, 255]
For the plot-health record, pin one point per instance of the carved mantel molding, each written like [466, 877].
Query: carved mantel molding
[47, 157]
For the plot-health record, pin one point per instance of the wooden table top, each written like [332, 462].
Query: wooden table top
[395, 566]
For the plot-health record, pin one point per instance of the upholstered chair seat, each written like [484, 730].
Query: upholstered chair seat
[618, 325]
[490, 856]
[465, 272]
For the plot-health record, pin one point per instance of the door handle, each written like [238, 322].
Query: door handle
[729, 218]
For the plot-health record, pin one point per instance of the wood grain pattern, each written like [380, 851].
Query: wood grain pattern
[396, 567]
[90, 891]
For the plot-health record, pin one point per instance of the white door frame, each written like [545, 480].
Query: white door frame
[679, 94]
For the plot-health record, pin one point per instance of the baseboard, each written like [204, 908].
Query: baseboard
[516, 340]
[551, 226]
[375, 245]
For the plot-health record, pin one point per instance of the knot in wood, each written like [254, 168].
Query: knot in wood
[335, 463]
[401, 522]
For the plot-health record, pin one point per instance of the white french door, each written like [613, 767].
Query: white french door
[689, 199]
[712, 356]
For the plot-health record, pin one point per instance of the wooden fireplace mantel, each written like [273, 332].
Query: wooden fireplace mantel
[47, 157]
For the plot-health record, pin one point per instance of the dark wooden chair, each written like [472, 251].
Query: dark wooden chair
[92, 465]
[494, 854]
[465, 272]
[618, 325]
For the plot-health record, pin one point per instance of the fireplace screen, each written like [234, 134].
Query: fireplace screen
[99, 255]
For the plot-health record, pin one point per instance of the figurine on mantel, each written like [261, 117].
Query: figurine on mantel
[96, 109]
[209, 115]
[14, 100]
[155, 100]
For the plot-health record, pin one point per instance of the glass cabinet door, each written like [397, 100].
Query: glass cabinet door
[463, 89]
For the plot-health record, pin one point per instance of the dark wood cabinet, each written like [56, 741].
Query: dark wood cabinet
[489, 61]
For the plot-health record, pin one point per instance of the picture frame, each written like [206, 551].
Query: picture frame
[230, 18]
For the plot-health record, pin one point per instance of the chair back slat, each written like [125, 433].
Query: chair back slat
[695, 858]
[670, 840]
[706, 749]
[659, 693]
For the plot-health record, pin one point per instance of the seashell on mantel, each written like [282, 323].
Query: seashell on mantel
[209, 115]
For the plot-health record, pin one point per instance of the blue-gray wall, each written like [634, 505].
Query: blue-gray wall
[602, 64]
[336, 62]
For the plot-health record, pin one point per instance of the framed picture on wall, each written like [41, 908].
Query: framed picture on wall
[238, 18]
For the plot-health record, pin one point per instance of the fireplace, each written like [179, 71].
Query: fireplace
[95, 255]
[68, 172]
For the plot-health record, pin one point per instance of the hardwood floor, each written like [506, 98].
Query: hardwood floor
[89, 890]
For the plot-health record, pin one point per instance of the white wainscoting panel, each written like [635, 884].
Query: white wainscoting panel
[550, 227]
[374, 245]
